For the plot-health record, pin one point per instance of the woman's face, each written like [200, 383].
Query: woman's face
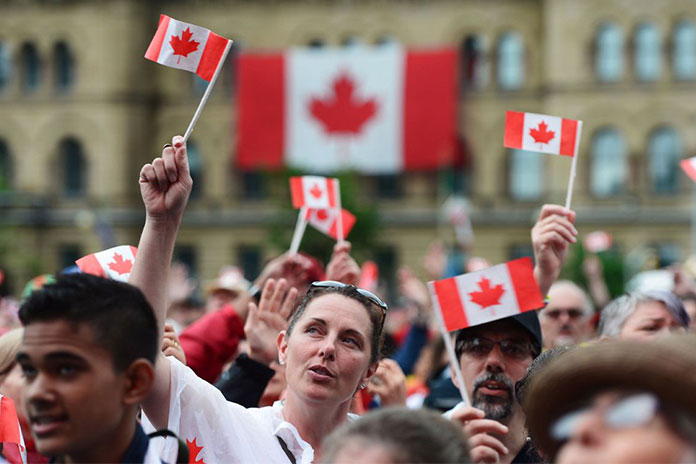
[327, 356]
[593, 440]
[650, 320]
[11, 385]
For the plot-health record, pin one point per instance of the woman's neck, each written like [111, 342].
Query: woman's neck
[314, 421]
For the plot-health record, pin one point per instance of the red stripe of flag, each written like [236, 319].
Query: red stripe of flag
[261, 103]
[90, 265]
[450, 304]
[525, 285]
[332, 191]
[9, 425]
[688, 166]
[153, 50]
[297, 192]
[430, 99]
[514, 129]
[212, 54]
[569, 131]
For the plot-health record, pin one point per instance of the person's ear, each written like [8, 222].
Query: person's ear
[282, 342]
[370, 372]
[453, 376]
[139, 378]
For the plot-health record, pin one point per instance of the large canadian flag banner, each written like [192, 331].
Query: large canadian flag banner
[487, 295]
[115, 263]
[326, 221]
[689, 167]
[373, 109]
[541, 133]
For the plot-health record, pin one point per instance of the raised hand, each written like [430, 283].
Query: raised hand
[342, 266]
[389, 382]
[551, 236]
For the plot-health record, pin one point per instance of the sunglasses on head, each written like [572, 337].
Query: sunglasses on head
[374, 299]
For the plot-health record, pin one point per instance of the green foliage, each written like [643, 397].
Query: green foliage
[612, 266]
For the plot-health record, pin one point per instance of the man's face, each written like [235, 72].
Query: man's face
[72, 395]
[494, 358]
[563, 321]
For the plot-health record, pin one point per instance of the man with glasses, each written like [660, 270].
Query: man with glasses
[567, 318]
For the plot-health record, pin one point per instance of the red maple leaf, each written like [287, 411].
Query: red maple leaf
[322, 215]
[183, 45]
[194, 450]
[120, 265]
[540, 134]
[316, 191]
[487, 296]
[342, 113]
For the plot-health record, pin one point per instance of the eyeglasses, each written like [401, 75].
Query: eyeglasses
[374, 299]
[573, 313]
[631, 411]
[480, 347]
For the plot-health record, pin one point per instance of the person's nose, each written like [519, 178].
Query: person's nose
[328, 349]
[495, 361]
[38, 393]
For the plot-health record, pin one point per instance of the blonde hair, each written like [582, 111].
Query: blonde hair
[9, 346]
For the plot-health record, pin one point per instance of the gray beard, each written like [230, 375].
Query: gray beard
[495, 407]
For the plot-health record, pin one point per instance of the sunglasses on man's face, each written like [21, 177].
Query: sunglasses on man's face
[374, 299]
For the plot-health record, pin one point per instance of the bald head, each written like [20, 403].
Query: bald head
[567, 319]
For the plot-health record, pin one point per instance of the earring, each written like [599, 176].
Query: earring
[281, 361]
[363, 386]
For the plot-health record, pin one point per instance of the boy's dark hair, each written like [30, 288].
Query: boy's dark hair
[122, 320]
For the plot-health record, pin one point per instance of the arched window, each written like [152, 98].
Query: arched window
[30, 67]
[63, 67]
[647, 52]
[609, 53]
[386, 39]
[196, 167]
[473, 63]
[73, 167]
[510, 69]
[6, 167]
[664, 153]
[351, 40]
[608, 163]
[684, 50]
[5, 65]
[526, 174]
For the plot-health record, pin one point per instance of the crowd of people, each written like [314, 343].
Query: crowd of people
[301, 365]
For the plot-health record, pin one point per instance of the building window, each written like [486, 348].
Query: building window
[608, 163]
[196, 168]
[647, 52]
[387, 263]
[473, 63]
[520, 250]
[6, 168]
[30, 66]
[526, 174]
[229, 76]
[73, 167]
[386, 39]
[186, 254]
[388, 186]
[253, 185]
[5, 65]
[67, 255]
[684, 50]
[63, 67]
[609, 53]
[664, 153]
[510, 69]
[249, 259]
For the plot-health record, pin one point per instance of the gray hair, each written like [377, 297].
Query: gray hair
[615, 314]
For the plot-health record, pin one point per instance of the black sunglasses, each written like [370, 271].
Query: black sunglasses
[374, 299]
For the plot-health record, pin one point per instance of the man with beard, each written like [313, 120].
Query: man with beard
[493, 357]
[567, 319]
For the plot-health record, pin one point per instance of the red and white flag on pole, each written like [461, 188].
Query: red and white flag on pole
[483, 296]
[541, 133]
[13, 448]
[314, 192]
[115, 263]
[186, 46]
[369, 276]
[689, 167]
[326, 221]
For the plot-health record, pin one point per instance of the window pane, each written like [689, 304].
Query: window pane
[388, 186]
[249, 259]
[474, 63]
[647, 53]
[510, 61]
[609, 58]
[196, 167]
[527, 174]
[253, 185]
[186, 254]
[63, 66]
[73, 167]
[6, 168]
[684, 45]
[68, 254]
[5, 65]
[608, 170]
[664, 153]
[31, 67]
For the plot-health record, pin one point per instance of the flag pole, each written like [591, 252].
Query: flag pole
[208, 89]
[339, 215]
[571, 180]
[300, 227]
[454, 362]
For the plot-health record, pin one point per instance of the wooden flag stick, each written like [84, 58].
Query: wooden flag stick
[573, 164]
[300, 227]
[339, 215]
[454, 362]
[208, 89]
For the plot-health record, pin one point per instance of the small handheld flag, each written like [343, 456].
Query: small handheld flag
[689, 167]
[314, 192]
[115, 263]
[326, 221]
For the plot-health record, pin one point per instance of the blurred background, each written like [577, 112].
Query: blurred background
[81, 110]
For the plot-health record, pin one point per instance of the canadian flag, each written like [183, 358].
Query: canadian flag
[314, 192]
[325, 220]
[483, 296]
[369, 276]
[689, 167]
[374, 109]
[115, 263]
[597, 241]
[13, 448]
[542, 133]
[186, 46]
